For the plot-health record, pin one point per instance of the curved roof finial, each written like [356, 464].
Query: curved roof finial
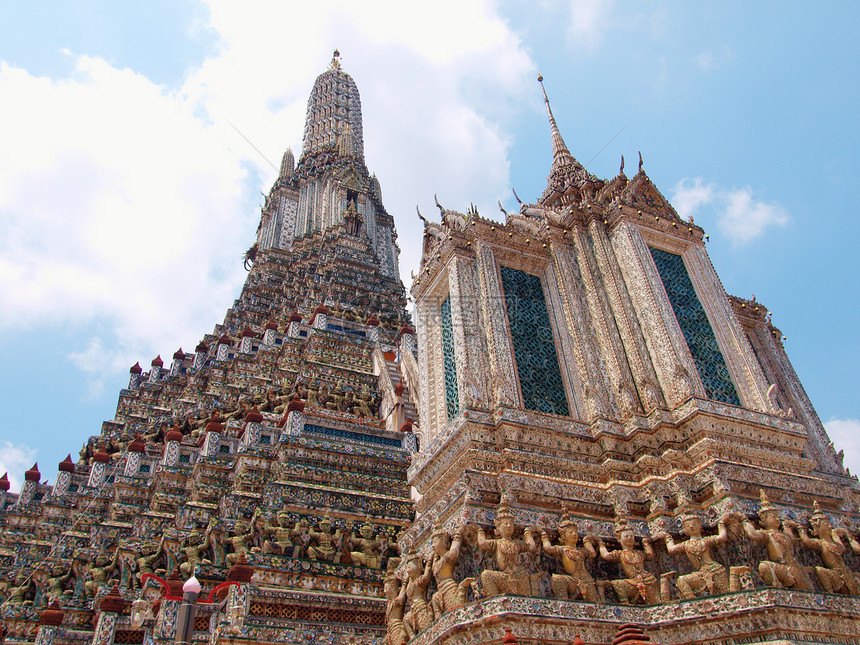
[621, 172]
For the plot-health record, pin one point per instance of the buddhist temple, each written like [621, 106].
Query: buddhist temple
[578, 437]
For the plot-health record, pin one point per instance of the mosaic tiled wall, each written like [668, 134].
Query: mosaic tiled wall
[534, 346]
[452, 395]
[695, 326]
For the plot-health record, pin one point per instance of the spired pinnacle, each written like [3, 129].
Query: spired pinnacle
[560, 154]
[334, 107]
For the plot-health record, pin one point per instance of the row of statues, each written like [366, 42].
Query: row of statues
[280, 535]
[409, 610]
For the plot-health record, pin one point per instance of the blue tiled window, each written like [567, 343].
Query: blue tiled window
[696, 327]
[452, 394]
[534, 346]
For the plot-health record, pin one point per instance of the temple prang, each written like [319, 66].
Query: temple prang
[580, 438]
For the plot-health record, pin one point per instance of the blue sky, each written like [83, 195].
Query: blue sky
[127, 197]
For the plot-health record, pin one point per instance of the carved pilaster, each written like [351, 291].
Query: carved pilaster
[500, 350]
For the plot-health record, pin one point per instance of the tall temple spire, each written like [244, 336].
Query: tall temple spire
[560, 154]
[333, 105]
[566, 170]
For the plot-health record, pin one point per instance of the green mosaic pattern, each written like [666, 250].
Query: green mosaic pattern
[534, 346]
[452, 394]
[696, 328]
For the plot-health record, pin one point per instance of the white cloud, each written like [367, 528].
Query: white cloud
[713, 60]
[128, 204]
[588, 22]
[845, 434]
[739, 215]
[15, 459]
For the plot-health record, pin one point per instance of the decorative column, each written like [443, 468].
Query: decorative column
[246, 344]
[66, 469]
[134, 376]
[212, 440]
[132, 459]
[270, 331]
[319, 318]
[176, 365]
[224, 344]
[109, 611]
[469, 343]
[49, 624]
[294, 325]
[155, 369]
[171, 447]
[251, 430]
[499, 347]
[200, 355]
[98, 469]
[31, 483]
[293, 422]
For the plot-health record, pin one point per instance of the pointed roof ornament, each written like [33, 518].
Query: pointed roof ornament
[621, 170]
[335, 60]
[640, 161]
[560, 154]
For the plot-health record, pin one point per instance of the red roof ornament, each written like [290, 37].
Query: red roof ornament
[136, 368]
[33, 475]
[201, 347]
[253, 415]
[241, 571]
[173, 435]
[271, 324]
[224, 340]
[296, 404]
[215, 424]
[137, 444]
[373, 320]
[67, 465]
[295, 317]
[509, 638]
[5, 484]
[101, 457]
[51, 615]
[179, 355]
[407, 425]
[406, 329]
[157, 362]
[398, 391]
[248, 333]
[113, 601]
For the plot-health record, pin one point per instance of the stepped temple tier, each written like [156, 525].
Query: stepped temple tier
[582, 439]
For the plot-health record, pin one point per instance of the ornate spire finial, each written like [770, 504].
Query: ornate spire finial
[335, 60]
[640, 161]
[560, 154]
[621, 171]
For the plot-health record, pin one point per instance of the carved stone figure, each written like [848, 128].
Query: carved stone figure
[710, 576]
[420, 614]
[282, 544]
[510, 577]
[395, 594]
[782, 570]
[58, 580]
[324, 549]
[301, 538]
[367, 555]
[639, 584]
[193, 550]
[576, 582]
[446, 552]
[239, 541]
[834, 576]
[149, 555]
[99, 573]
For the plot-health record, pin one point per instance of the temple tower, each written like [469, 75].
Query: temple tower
[583, 355]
